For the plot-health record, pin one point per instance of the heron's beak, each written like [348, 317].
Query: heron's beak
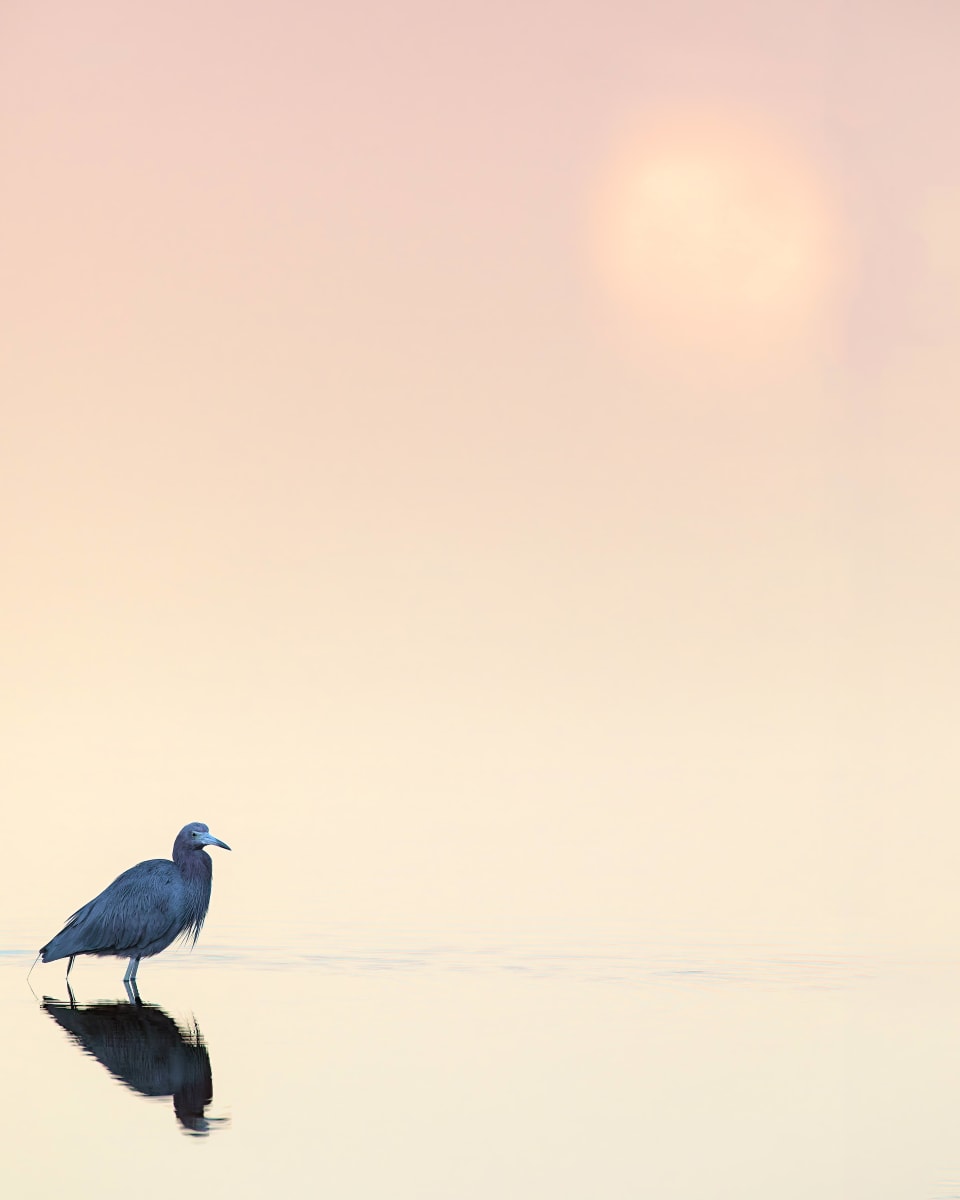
[207, 839]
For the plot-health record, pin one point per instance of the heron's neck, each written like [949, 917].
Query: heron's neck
[194, 865]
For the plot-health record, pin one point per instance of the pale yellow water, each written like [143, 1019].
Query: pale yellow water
[355, 1063]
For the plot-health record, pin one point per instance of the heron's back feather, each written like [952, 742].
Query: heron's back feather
[140, 913]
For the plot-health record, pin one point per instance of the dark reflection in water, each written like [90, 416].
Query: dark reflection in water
[144, 1048]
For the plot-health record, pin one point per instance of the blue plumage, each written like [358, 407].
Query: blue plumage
[146, 908]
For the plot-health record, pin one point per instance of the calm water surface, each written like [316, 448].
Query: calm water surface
[356, 1063]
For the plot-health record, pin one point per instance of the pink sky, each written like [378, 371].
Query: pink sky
[339, 496]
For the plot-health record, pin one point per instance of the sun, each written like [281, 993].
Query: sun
[712, 235]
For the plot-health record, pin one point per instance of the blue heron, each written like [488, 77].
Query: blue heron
[144, 909]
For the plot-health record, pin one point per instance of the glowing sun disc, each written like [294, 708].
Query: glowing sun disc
[712, 234]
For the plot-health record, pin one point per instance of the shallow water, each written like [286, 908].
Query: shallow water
[378, 1063]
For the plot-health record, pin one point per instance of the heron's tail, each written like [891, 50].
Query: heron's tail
[59, 947]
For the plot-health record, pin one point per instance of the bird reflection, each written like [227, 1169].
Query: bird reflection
[146, 1050]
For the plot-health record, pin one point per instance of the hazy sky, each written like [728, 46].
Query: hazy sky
[494, 464]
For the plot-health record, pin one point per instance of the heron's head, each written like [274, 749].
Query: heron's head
[196, 835]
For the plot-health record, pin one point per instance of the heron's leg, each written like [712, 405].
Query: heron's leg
[73, 999]
[70, 965]
[131, 974]
[133, 992]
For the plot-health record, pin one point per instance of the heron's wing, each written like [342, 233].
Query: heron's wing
[141, 907]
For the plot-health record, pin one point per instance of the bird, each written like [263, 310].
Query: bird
[144, 909]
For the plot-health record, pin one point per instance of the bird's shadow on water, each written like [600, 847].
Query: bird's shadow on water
[146, 1050]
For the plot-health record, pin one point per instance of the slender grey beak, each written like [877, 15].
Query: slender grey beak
[207, 839]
